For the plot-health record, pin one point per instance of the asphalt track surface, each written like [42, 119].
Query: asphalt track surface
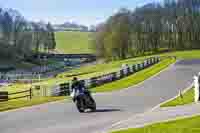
[63, 117]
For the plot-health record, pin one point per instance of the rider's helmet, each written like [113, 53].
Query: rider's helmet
[75, 79]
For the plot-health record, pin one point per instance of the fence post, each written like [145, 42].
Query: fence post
[30, 93]
[153, 61]
[4, 96]
[139, 66]
[121, 73]
[114, 77]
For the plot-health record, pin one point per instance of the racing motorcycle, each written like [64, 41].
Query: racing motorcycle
[83, 100]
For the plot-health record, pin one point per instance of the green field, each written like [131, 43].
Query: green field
[73, 42]
[189, 125]
[187, 98]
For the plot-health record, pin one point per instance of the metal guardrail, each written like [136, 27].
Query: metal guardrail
[5, 96]
[110, 77]
[64, 88]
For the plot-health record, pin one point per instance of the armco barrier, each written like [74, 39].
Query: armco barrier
[138, 67]
[88, 83]
[133, 67]
[107, 78]
[118, 74]
[153, 60]
[3, 96]
[93, 82]
[141, 66]
[122, 74]
[64, 89]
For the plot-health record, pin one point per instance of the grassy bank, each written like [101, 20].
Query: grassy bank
[103, 68]
[14, 104]
[71, 42]
[189, 125]
[190, 54]
[136, 78]
[187, 98]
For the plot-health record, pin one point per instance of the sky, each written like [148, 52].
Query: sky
[87, 12]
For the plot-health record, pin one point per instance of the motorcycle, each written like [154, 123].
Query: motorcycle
[83, 100]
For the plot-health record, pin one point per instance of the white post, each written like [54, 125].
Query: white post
[39, 77]
[131, 69]
[124, 68]
[136, 67]
[196, 89]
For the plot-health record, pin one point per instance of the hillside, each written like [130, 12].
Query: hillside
[71, 42]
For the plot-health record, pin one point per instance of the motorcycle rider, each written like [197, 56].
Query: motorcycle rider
[79, 86]
[84, 101]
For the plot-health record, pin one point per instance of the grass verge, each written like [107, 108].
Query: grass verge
[188, 97]
[14, 104]
[135, 78]
[188, 125]
[187, 54]
[103, 67]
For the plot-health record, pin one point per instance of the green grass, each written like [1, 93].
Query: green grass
[136, 78]
[190, 54]
[71, 42]
[103, 68]
[14, 104]
[188, 98]
[188, 125]
[115, 65]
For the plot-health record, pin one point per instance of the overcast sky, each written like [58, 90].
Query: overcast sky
[85, 12]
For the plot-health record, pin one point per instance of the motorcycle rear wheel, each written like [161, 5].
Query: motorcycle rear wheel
[93, 108]
[79, 107]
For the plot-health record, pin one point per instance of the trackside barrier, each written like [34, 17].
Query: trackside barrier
[5, 96]
[65, 88]
[107, 78]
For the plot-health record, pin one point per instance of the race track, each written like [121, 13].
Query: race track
[62, 117]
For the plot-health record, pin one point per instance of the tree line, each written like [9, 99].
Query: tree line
[20, 38]
[170, 25]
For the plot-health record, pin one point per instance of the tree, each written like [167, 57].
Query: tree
[51, 37]
[6, 25]
[113, 38]
[150, 28]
